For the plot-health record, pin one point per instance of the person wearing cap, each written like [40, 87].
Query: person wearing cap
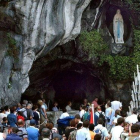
[13, 135]
[32, 131]
[45, 134]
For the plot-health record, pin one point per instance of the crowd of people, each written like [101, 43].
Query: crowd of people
[28, 121]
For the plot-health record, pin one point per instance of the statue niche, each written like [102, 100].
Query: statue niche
[118, 27]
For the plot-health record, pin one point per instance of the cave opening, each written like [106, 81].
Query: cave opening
[63, 81]
[74, 86]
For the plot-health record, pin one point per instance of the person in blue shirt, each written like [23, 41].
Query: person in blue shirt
[32, 131]
[13, 135]
[12, 118]
[55, 108]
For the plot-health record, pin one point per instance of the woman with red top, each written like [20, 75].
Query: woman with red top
[20, 116]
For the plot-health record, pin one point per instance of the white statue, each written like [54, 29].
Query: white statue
[118, 27]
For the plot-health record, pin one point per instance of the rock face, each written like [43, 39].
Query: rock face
[36, 27]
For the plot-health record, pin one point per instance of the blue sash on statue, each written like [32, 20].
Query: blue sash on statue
[118, 30]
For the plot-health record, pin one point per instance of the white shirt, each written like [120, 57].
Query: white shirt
[116, 105]
[2, 115]
[7, 112]
[131, 119]
[103, 129]
[116, 132]
[81, 113]
[83, 134]
[1, 136]
[64, 115]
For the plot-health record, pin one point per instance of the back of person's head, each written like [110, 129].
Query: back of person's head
[97, 137]
[29, 106]
[116, 98]
[135, 128]
[91, 127]
[134, 111]
[20, 113]
[86, 124]
[45, 133]
[69, 102]
[49, 125]
[100, 121]
[120, 121]
[123, 114]
[98, 107]
[77, 116]
[64, 110]
[6, 108]
[2, 110]
[4, 119]
[72, 123]
[12, 109]
[32, 122]
[117, 112]
[20, 122]
[35, 107]
[14, 130]
[138, 117]
[79, 125]
[109, 104]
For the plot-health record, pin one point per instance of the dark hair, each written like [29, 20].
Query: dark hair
[72, 123]
[135, 128]
[6, 108]
[117, 112]
[79, 125]
[100, 121]
[86, 124]
[14, 129]
[4, 119]
[35, 107]
[64, 109]
[77, 116]
[109, 104]
[69, 102]
[97, 137]
[20, 122]
[123, 114]
[134, 110]
[91, 127]
[12, 109]
[45, 132]
[138, 117]
[120, 121]
[20, 113]
[2, 109]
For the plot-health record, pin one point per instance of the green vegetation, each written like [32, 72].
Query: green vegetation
[12, 51]
[119, 67]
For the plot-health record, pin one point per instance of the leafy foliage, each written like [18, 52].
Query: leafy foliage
[119, 67]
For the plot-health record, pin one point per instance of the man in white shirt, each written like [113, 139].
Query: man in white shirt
[103, 130]
[65, 114]
[117, 130]
[116, 105]
[2, 114]
[82, 112]
[109, 113]
[132, 118]
[68, 107]
[83, 134]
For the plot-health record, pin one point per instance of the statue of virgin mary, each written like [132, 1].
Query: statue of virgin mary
[118, 27]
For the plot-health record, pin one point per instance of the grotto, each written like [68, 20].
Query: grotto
[66, 49]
